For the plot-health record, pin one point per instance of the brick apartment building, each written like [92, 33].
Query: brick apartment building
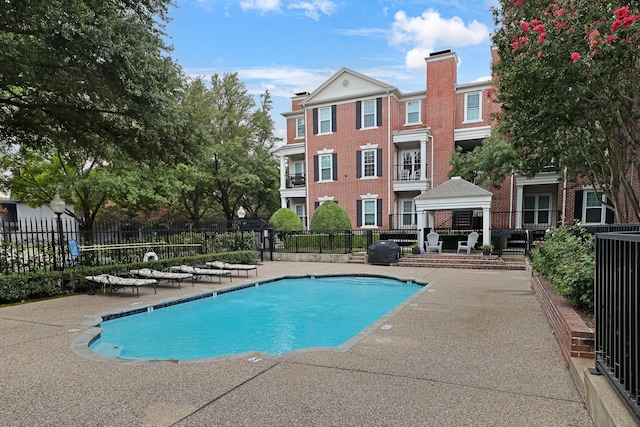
[378, 152]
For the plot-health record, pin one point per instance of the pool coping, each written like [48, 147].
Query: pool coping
[80, 344]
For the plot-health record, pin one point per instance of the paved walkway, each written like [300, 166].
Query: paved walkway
[473, 350]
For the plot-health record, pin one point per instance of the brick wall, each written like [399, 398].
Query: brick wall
[346, 142]
[573, 335]
[440, 111]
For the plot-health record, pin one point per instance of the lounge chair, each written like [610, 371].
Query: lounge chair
[468, 244]
[233, 267]
[168, 276]
[117, 282]
[433, 243]
[200, 271]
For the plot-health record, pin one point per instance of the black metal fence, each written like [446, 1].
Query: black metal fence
[617, 314]
[338, 242]
[43, 244]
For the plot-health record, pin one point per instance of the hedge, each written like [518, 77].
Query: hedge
[21, 287]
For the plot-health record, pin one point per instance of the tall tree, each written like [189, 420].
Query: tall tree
[569, 82]
[237, 167]
[488, 164]
[70, 68]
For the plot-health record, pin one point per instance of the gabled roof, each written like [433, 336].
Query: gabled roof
[454, 194]
[455, 187]
[348, 84]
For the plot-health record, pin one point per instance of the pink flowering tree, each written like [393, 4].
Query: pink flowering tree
[569, 82]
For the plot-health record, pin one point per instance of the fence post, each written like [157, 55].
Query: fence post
[271, 239]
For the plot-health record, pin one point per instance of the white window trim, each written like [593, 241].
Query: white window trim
[466, 109]
[603, 208]
[414, 220]
[325, 199]
[320, 109]
[304, 211]
[375, 114]
[406, 113]
[304, 125]
[374, 148]
[320, 156]
[365, 198]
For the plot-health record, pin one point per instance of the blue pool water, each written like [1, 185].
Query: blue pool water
[275, 317]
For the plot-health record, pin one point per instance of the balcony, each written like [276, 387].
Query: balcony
[296, 180]
[295, 186]
[407, 178]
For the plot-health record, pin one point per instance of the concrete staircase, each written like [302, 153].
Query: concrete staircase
[463, 261]
[358, 258]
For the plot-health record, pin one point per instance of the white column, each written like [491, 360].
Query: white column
[283, 172]
[283, 180]
[423, 159]
[421, 227]
[519, 199]
[486, 226]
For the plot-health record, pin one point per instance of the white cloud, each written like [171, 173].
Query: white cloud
[428, 32]
[314, 8]
[261, 5]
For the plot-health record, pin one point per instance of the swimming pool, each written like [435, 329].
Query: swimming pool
[275, 317]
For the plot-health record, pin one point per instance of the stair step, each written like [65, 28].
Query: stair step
[460, 261]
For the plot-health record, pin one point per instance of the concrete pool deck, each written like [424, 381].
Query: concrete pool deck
[475, 350]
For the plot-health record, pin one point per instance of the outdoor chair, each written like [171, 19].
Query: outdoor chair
[433, 243]
[116, 282]
[167, 276]
[468, 244]
[202, 271]
[233, 267]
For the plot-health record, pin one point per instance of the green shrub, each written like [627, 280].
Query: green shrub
[285, 219]
[16, 287]
[567, 258]
[330, 216]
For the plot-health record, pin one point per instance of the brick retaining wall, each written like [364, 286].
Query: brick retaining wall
[576, 339]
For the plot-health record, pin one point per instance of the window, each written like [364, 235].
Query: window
[300, 127]
[537, 209]
[369, 113]
[410, 165]
[413, 112]
[325, 167]
[300, 210]
[325, 120]
[369, 213]
[472, 107]
[593, 208]
[297, 178]
[369, 163]
[409, 218]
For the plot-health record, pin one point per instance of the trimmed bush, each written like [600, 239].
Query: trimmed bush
[285, 219]
[330, 217]
[567, 258]
[46, 284]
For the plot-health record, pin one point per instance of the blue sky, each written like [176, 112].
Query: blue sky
[290, 46]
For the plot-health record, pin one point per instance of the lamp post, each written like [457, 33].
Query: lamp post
[241, 214]
[58, 206]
